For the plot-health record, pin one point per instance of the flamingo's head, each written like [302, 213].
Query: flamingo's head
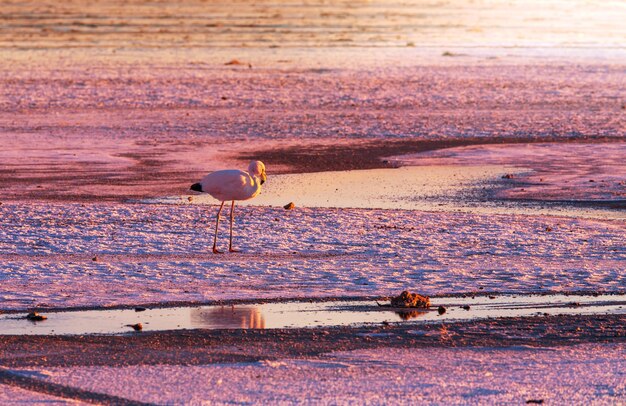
[257, 169]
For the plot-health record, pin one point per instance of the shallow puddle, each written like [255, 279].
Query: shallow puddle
[410, 187]
[307, 315]
[466, 188]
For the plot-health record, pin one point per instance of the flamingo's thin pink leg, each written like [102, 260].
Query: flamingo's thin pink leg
[217, 221]
[232, 217]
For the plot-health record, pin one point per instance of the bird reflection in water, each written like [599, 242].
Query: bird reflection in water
[228, 317]
[410, 314]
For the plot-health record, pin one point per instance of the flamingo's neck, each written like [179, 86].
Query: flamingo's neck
[255, 186]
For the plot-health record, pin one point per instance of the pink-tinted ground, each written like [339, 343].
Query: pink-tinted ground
[142, 133]
[282, 365]
[585, 172]
[15, 395]
[119, 100]
[561, 375]
[161, 253]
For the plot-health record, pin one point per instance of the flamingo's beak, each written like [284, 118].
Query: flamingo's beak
[263, 178]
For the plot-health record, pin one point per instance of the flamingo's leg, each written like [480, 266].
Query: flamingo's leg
[217, 221]
[232, 218]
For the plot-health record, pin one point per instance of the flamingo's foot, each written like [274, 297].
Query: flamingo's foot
[216, 251]
[231, 249]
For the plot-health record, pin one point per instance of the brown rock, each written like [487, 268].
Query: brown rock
[408, 299]
[441, 310]
[289, 206]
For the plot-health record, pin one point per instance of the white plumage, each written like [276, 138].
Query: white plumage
[232, 184]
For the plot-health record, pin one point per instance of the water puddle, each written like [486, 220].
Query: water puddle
[410, 187]
[307, 315]
[467, 188]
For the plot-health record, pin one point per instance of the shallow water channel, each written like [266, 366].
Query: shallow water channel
[465, 188]
[307, 314]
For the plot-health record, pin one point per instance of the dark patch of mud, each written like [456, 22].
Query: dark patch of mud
[372, 154]
[583, 204]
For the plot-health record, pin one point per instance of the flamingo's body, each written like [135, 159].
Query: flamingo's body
[232, 185]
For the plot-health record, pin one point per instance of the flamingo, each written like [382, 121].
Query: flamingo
[232, 184]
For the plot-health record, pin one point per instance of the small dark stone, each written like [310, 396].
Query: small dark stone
[289, 206]
[441, 310]
[34, 316]
[466, 307]
[94, 258]
[136, 327]
[507, 176]
[548, 229]
[535, 401]
[140, 309]
[492, 297]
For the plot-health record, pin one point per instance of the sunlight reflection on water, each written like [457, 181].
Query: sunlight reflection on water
[447, 188]
[305, 314]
